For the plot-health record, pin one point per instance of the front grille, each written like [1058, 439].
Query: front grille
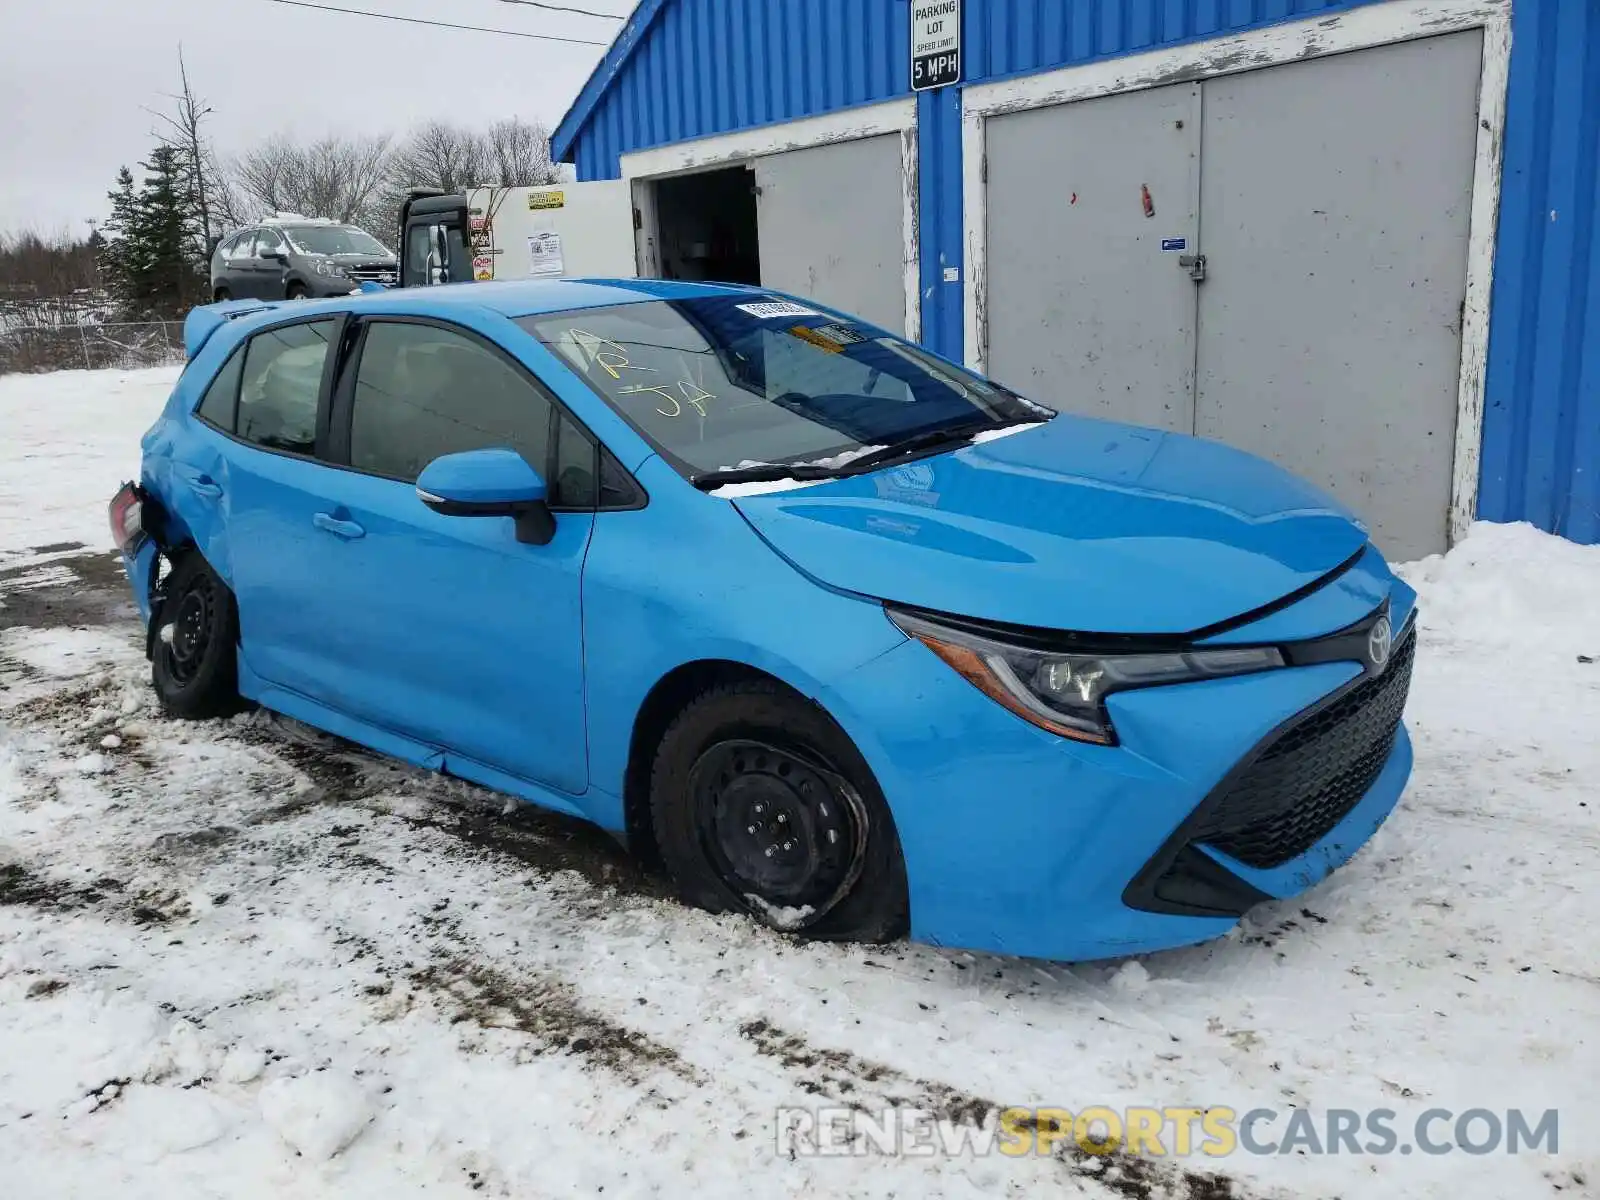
[1317, 770]
[376, 274]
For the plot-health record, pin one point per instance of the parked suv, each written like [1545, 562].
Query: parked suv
[298, 258]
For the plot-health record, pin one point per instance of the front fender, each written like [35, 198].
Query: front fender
[686, 580]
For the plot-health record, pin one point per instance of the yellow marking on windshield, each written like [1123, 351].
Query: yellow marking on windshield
[660, 390]
[611, 357]
[695, 395]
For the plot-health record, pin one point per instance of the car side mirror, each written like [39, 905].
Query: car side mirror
[489, 483]
[275, 256]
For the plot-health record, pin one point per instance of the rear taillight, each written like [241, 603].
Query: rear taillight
[127, 516]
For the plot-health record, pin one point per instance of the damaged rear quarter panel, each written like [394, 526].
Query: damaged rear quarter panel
[178, 448]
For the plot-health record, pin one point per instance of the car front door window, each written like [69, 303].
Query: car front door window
[422, 392]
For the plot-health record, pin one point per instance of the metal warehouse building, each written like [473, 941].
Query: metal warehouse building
[1357, 238]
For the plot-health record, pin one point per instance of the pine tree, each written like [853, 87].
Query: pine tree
[117, 267]
[152, 260]
[170, 232]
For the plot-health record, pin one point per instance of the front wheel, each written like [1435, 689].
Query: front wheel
[761, 804]
[297, 291]
[194, 661]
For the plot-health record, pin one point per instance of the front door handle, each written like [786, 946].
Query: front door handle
[344, 529]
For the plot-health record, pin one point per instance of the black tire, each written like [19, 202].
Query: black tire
[740, 748]
[297, 291]
[194, 661]
[221, 294]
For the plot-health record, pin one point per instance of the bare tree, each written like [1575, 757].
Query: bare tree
[520, 151]
[443, 156]
[335, 177]
[183, 130]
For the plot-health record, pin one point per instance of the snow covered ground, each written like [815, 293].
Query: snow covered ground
[240, 959]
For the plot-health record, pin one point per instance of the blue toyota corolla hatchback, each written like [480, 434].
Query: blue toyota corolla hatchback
[854, 640]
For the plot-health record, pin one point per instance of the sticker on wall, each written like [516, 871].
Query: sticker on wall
[483, 276]
[1174, 243]
[777, 308]
[547, 199]
[544, 254]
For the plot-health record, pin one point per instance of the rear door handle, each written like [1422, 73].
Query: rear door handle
[344, 529]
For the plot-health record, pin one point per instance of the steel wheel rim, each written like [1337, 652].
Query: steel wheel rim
[786, 834]
[191, 630]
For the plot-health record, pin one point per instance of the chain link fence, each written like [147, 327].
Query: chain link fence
[91, 346]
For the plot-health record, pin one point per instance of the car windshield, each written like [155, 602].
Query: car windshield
[336, 239]
[730, 383]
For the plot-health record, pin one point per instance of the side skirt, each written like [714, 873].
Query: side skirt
[373, 737]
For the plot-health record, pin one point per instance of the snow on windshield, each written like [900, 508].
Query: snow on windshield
[335, 239]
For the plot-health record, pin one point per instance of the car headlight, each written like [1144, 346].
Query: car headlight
[328, 267]
[1065, 692]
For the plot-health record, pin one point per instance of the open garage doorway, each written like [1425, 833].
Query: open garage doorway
[707, 226]
[832, 222]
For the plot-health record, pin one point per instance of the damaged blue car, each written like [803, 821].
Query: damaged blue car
[851, 639]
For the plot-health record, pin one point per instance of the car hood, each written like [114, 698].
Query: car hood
[1075, 524]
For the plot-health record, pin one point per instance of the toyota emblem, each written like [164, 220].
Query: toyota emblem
[1380, 640]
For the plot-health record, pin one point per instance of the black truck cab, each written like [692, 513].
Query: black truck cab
[435, 242]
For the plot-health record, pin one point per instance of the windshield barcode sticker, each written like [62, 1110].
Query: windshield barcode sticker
[842, 335]
[777, 308]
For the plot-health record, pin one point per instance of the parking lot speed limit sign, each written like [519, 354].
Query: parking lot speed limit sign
[935, 43]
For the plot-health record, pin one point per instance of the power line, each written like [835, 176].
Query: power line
[363, 12]
[571, 8]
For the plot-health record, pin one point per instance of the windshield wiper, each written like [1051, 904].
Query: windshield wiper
[761, 473]
[931, 439]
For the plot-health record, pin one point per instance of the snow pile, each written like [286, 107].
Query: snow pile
[55, 488]
[316, 1115]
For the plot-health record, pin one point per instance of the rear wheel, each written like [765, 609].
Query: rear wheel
[297, 291]
[761, 804]
[194, 663]
[221, 294]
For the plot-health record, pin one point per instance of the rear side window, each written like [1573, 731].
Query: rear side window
[422, 392]
[280, 384]
[217, 405]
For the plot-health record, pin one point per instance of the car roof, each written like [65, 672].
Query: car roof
[530, 297]
[508, 298]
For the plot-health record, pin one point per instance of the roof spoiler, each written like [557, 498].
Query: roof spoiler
[206, 319]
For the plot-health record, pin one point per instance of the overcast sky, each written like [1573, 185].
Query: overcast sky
[76, 76]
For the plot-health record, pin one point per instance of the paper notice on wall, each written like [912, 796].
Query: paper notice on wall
[544, 254]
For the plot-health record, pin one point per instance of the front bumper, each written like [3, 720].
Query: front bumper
[1020, 842]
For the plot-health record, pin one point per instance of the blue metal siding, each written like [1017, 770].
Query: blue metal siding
[691, 68]
[1005, 37]
[705, 67]
[1541, 421]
